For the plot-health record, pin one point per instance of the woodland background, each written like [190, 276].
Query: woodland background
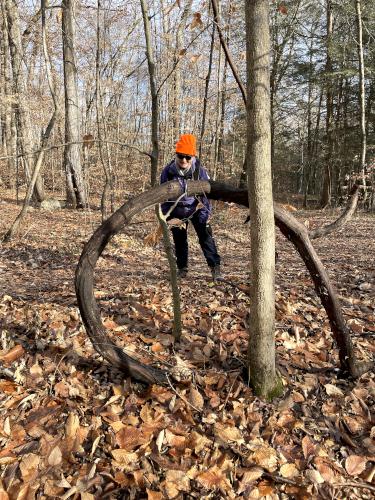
[70, 425]
[315, 92]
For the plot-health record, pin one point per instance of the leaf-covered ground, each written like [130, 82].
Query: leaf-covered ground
[72, 427]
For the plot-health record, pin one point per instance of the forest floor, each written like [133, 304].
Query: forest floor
[72, 427]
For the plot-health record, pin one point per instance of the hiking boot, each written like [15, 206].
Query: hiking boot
[182, 273]
[216, 273]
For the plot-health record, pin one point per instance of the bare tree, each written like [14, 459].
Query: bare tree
[39, 162]
[22, 117]
[8, 139]
[105, 158]
[154, 95]
[327, 180]
[76, 196]
[207, 85]
[261, 351]
[281, 39]
[177, 71]
[226, 50]
[362, 93]
[177, 326]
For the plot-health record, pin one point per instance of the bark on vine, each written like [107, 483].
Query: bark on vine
[292, 229]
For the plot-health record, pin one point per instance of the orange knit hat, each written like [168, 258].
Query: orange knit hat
[187, 145]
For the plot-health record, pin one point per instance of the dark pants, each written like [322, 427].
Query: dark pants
[206, 241]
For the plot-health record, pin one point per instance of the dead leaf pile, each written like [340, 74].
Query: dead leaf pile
[72, 427]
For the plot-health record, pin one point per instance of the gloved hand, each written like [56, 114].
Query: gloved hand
[175, 222]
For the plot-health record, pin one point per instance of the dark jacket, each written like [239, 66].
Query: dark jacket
[188, 204]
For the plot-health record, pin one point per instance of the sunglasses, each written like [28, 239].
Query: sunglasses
[181, 157]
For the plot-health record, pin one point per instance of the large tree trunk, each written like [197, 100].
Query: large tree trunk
[76, 195]
[261, 353]
[23, 122]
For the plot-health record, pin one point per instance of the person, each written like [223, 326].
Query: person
[194, 209]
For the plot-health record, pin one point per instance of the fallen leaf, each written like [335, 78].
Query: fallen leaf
[249, 477]
[266, 457]
[154, 495]
[228, 433]
[160, 439]
[55, 457]
[61, 389]
[355, 464]
[326, 470]
[153, 238]
[179, 479]
[170, 490]
[130, 437]
[29, 466]
[7, 386]
[13, 354]
[124, 457]
[87, 496]
[314, 476]
[174, 440]
[6, 427]
[308, 447]
[283, 9]
[253, 474]
[71, 425]
[95, 445]
[266, 489]
[51, 489]
[199, 442]
[289, 470]
[213, 479]
[36, 370]
[333, 390]
[196, 398]
[110, 324]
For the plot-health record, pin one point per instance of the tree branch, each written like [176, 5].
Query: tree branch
[62, 145]
[226, 51]
[342, 220]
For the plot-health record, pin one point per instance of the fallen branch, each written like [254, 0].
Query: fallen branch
[342, 220]
[292, 229]
[298, 234]
[353, 484]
